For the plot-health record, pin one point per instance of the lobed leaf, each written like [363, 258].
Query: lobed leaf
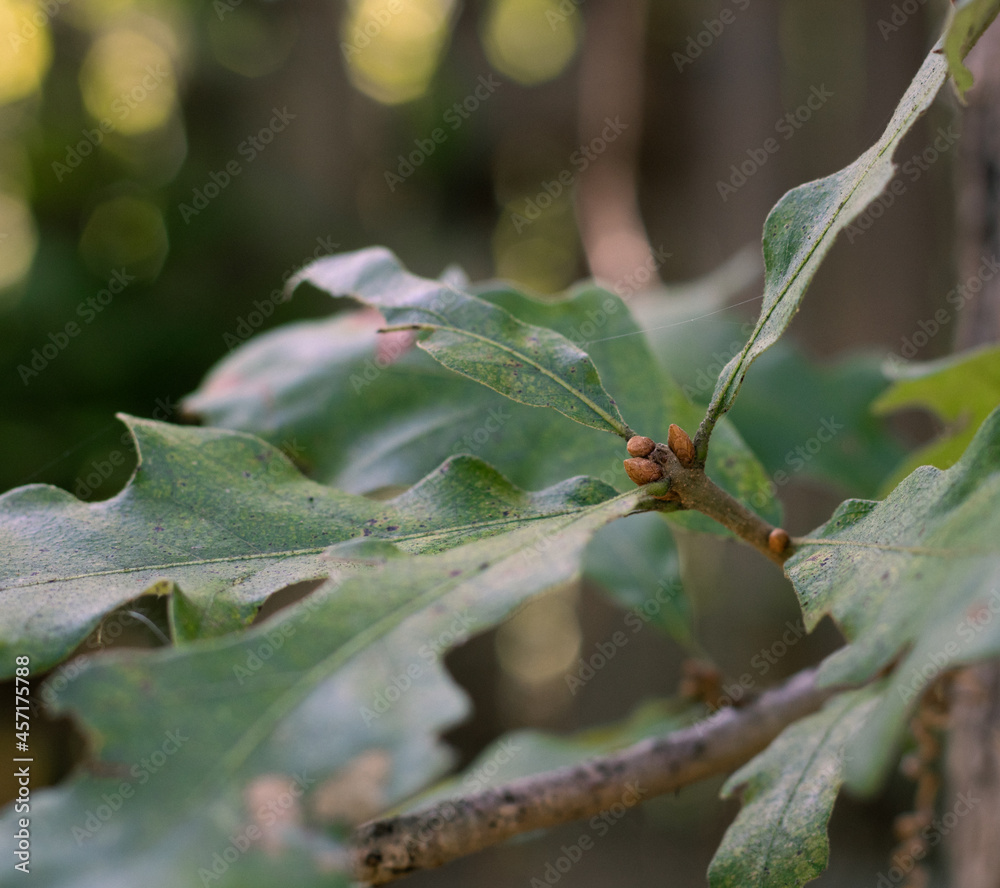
[914, 579]
[365, 422]
[290, 733]
[779, 838]
[227, 519]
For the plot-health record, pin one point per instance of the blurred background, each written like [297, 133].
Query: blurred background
[165, 166]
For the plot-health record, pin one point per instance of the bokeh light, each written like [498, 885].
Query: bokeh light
[128, 79]
[25, 50]
[18, 242]
[530, 41]
[392, 47]
[125, 232]
[251, 44]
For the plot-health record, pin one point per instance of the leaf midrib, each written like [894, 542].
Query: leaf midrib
[290, 553]
[620, 427]
[713, 408]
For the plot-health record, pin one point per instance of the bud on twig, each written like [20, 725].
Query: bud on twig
[642, 471]
[679, 442]
[778, 540]
[640, 445]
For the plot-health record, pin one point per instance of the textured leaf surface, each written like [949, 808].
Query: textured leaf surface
[227, 519]
[779, 839]
[528, 364]
[967, 21]
[961, 389]
[365, 423]
[323, 716]
[802, 227]
[914, 577]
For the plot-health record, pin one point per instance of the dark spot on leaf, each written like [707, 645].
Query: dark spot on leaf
[392, 527]
[454, 573]
[484, 565]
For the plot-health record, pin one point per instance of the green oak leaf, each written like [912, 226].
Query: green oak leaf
[366, 415]
[779, 838]
[967, 21]
[960, 389]
[803, 226]
[326, 713]
[914, 579]
[528, 364]
[228, 520]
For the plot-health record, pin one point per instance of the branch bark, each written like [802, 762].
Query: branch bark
[685, 485]
[385, 850]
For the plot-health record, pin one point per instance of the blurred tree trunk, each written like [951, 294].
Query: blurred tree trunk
[611, 86]
[973, 758]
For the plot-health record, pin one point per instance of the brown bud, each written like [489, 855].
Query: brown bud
[640, 445]
[642, 471]
[680, 443]
[778, 540]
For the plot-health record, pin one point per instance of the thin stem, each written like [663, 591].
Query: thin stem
[693, 489]
[385, 850]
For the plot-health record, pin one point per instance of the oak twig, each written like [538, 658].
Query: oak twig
[687, 485]
[384, 850]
